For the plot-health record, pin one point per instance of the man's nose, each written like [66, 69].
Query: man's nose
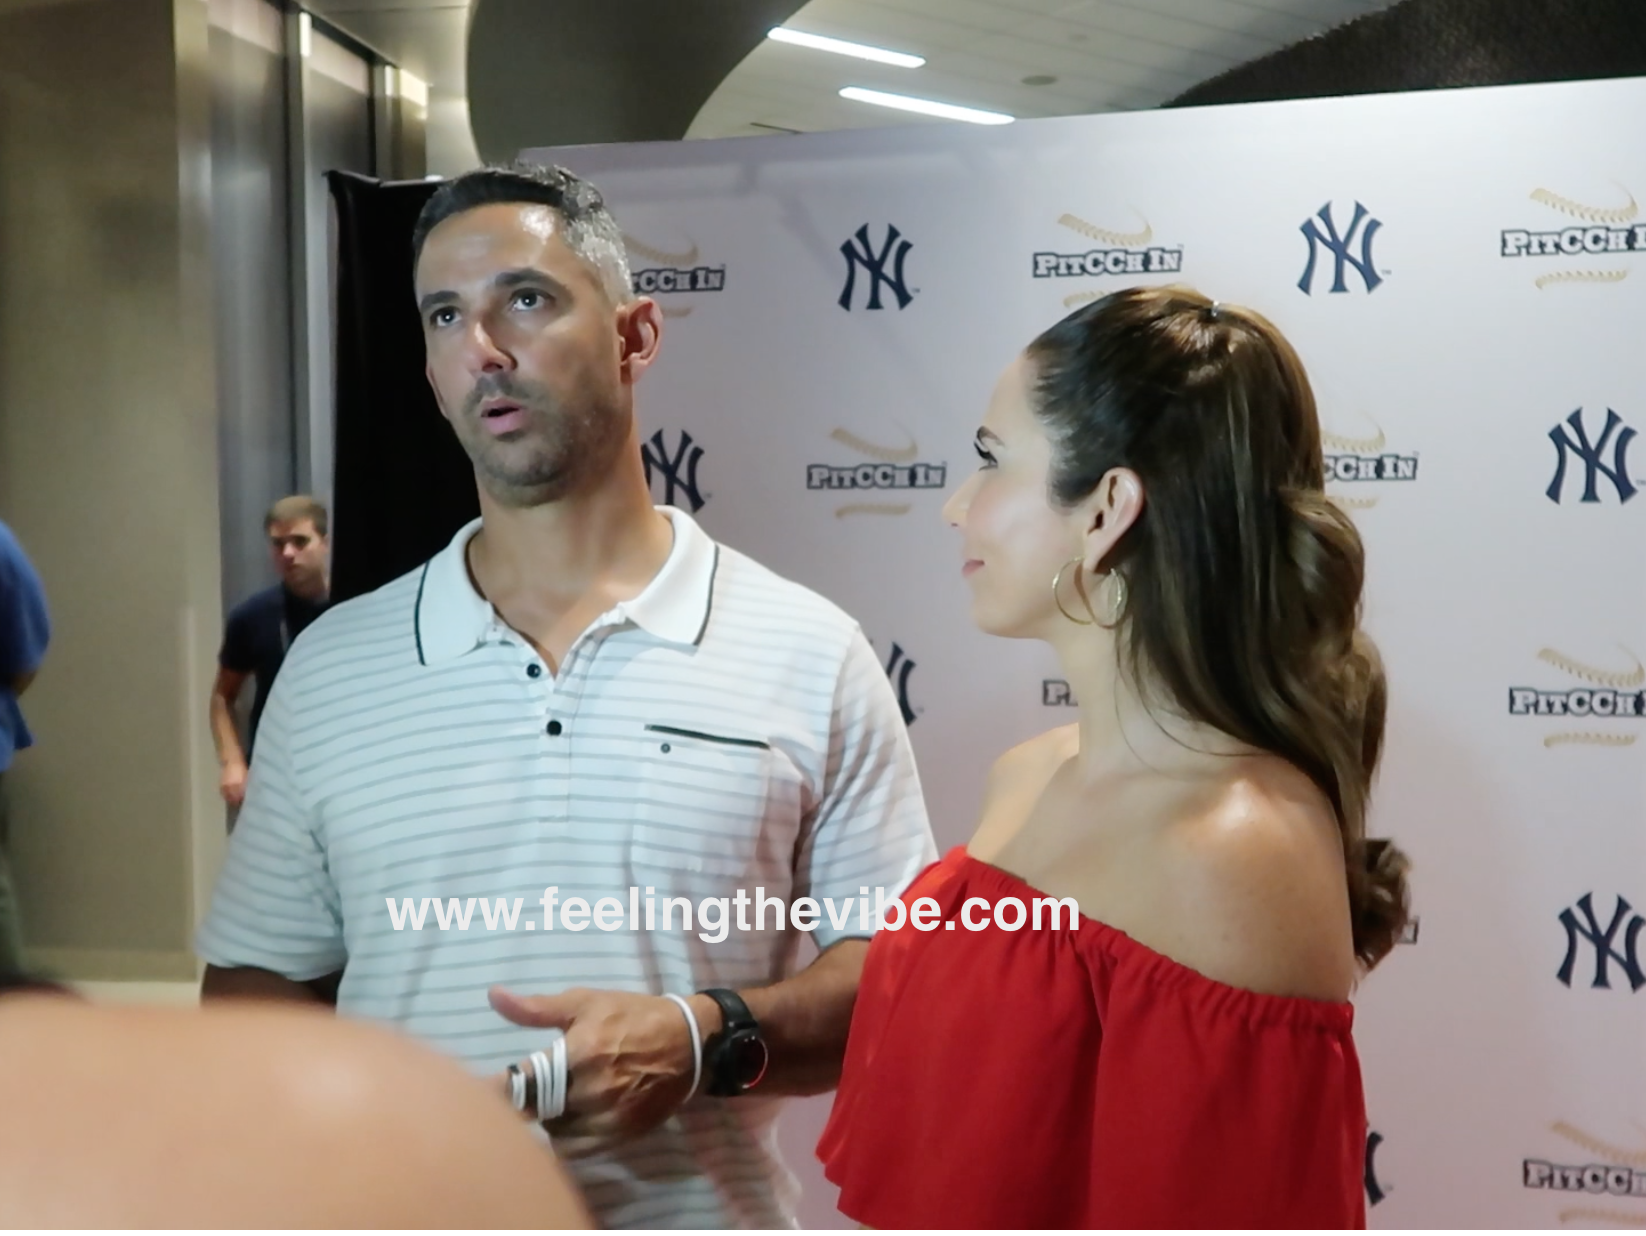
[485, 355]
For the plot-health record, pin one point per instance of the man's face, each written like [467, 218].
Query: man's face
[526, 352]
[299, 554]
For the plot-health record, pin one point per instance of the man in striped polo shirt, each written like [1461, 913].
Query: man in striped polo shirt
[582, 698]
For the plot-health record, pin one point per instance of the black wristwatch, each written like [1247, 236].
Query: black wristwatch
[734, 1060]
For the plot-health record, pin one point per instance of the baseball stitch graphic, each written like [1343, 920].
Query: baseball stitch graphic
[1354, 446]
[1604, 1150]
[1580, 276]
[885, 454]
[1616, 1154]
[1625, 681]
[688, 258]
[872, 508]
[1618, 1218]
[1589, 214]
[1126, 240]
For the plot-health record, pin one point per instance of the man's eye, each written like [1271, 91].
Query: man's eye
[442, 317]
[531, 300]
[985, 455]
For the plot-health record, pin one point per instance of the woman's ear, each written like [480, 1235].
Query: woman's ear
[1106, 514]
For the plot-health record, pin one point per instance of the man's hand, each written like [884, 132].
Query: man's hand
[231, 784]
[629, 1057]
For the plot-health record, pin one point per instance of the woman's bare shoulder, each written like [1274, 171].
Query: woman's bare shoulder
[1015, 782]
[1036, 759]
[1258, 888]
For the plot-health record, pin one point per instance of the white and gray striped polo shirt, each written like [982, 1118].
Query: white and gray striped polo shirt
[727, 729]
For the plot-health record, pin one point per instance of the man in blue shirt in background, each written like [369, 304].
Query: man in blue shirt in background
[260, 631]
[24, 633]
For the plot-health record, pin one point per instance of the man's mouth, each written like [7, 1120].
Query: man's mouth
[501, 416]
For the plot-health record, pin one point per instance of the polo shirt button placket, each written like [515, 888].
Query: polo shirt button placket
[557, 697]
[566, 701]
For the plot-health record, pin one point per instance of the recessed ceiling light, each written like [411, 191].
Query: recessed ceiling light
[840, 47]
[926, 107]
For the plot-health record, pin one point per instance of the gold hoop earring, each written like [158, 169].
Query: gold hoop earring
[1119, 608]
[1057, 585]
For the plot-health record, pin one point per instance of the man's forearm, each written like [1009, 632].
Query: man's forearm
[249, 983]
[223, 732]
[803, 1019]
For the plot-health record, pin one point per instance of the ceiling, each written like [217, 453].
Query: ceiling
[1102, 55]
[427, 38]
[1105, 55]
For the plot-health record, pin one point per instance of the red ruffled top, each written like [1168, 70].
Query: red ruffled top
[1078, 1079]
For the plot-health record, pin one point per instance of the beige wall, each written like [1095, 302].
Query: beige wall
[108, 472]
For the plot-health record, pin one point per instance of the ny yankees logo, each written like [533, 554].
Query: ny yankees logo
[1339, 247]
[1375, 1190]
[1603, 940]
[1591, 454]
[659, 463]
[898, 669]
[863, 254]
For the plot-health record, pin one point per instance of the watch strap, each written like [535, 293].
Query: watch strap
[734, 1014]
[718, 1058]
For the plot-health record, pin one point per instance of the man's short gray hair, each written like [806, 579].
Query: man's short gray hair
[590, 231]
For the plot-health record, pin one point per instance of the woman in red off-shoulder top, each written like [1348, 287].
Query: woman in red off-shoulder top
[1180, 1053]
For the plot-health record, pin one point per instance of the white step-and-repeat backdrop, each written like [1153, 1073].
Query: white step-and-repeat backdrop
[1464, 274]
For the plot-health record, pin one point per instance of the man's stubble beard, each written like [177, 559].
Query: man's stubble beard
[558, 454]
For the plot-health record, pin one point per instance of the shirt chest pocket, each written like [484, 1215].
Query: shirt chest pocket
[715, 806]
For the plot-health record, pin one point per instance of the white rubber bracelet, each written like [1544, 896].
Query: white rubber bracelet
[697, 1040]
[517, 1087]
[540, 1069]
[560, 1077]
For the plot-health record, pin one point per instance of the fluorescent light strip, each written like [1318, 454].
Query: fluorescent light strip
[926, 107]
[840, 47]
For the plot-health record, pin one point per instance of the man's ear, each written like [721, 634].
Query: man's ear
[639, 333]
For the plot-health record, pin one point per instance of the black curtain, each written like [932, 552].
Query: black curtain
[1445, 44]
[403, 486]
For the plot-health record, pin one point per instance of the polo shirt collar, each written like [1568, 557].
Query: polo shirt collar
[451, 618]
[674, 607]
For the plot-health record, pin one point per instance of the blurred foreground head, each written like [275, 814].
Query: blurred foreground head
[253, 1116]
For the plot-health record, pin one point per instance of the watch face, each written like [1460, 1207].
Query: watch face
[748, 1057]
